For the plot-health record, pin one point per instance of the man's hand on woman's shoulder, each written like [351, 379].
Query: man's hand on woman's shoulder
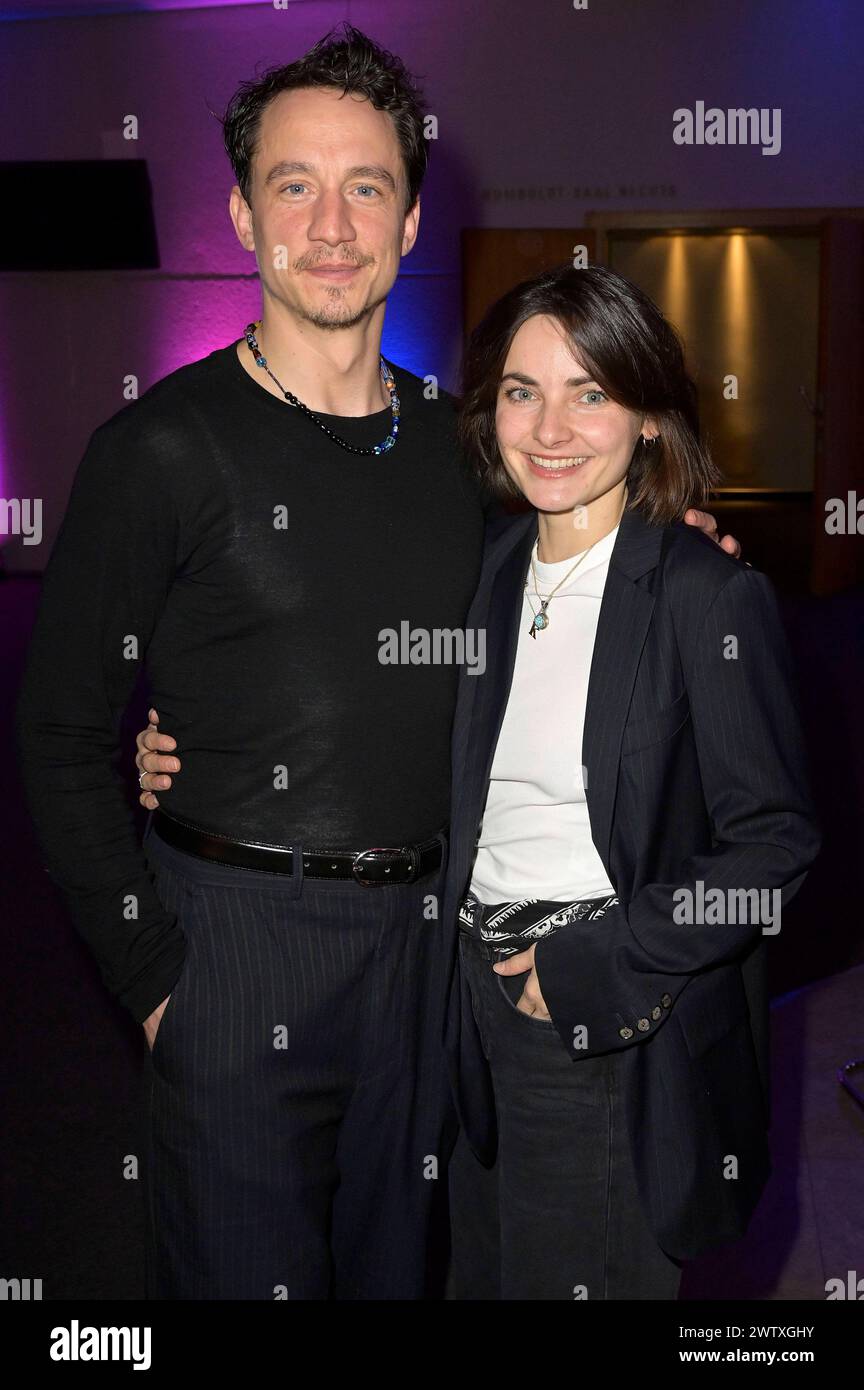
[708, 523]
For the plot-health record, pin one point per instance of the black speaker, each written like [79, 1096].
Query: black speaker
[77, 214]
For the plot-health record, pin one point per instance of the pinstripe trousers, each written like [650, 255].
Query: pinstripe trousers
[299, 1112]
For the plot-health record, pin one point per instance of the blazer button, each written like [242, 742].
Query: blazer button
[656, 1012]
[666, 1000]
[625, 1032]
[643, 1025]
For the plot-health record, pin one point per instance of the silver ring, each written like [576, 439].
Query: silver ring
[141, 776]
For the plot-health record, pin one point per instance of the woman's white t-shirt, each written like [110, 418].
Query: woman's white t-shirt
[535, 839]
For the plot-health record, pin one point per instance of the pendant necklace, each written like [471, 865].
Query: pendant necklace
[540, 620]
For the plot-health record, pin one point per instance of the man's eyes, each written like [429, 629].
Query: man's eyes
[365, 188]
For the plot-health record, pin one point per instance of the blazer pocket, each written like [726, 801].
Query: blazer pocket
[709, 1015]
[642, 733]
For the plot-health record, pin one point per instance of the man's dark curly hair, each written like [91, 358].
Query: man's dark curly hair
[344, 58]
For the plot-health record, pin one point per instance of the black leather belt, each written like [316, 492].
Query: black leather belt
[366, 866]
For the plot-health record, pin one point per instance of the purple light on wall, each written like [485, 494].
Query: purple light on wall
[4, 472]
[77, 9]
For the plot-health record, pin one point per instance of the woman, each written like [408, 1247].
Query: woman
[634, 760]
[630, 754]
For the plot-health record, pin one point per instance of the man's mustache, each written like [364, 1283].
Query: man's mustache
[304, 263]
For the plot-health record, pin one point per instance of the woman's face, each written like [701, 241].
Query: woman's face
[563, 441]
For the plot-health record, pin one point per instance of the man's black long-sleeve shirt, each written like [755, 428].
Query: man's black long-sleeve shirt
[216, 534]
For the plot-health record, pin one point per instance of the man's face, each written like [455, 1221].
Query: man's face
[327, 221]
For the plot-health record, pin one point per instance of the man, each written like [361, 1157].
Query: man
[252, 546]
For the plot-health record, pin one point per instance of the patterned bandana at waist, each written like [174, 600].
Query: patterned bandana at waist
[515, 926]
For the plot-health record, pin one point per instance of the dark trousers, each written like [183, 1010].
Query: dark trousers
[558, 1216]
[298, 1091]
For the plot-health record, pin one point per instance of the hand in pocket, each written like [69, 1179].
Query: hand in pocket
[531, 1001]
[151, 1023]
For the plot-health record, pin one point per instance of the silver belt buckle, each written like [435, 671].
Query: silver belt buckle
[382, 882]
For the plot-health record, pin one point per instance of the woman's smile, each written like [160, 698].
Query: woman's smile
[549, 466]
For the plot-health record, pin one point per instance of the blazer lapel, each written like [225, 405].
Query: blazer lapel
[622, 626]
[481, 712]
[623, 622]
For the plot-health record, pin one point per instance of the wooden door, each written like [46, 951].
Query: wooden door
[494, 259]
[838, 558]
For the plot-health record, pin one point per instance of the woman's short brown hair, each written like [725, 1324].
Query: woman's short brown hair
[633, 354]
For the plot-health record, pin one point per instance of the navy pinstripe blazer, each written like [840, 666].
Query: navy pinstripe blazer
[696, 774]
